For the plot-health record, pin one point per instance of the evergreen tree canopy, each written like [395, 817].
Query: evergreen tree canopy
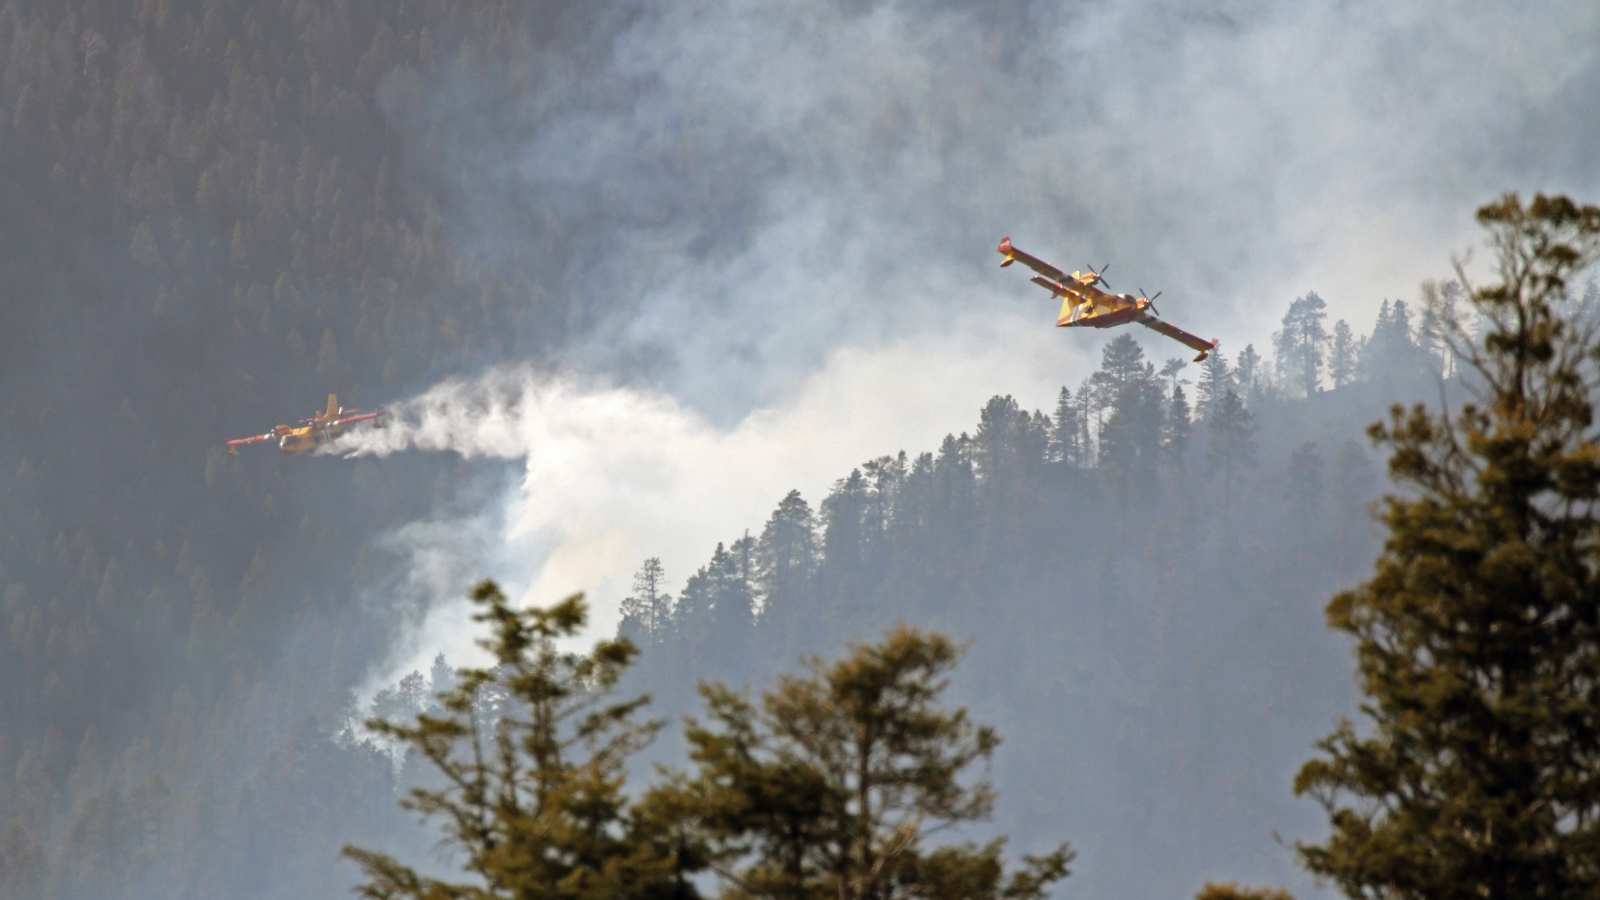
[833, 784]
[718, 602]
[1178, 427]
[1301, 342]
[1122, 362]
[532, 755]
[786, 553]
[1232, 444]
[1249, 375]
[1216, 379]
[1064, 431]
[1391, 351]
[1478, 635]
[1342, 353]
[647, 612]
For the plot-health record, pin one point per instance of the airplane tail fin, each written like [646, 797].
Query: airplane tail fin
[333, 406]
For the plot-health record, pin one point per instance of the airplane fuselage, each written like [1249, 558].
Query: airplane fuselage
[1090, 308]
[308, 438]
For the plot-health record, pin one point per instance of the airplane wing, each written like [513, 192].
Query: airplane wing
[233, 446]
[1178, 334]
[347, 420]
[1012, 255]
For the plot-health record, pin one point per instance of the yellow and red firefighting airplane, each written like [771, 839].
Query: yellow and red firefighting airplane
[1083, 304]
[309, 434]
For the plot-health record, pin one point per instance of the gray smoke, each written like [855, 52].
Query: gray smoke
[613, 474]
[761, 183]
[793, 208]
[766, 189]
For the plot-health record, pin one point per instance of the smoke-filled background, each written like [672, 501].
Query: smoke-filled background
[640, 270]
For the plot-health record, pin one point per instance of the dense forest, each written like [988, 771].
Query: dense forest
[1470, 773]
[1142, 576]
[212, 208]
[206, 212]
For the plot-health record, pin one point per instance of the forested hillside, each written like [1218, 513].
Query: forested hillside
[1142, 572]
[209, 224]
[214, 213]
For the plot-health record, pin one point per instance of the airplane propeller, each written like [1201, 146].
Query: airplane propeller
[1152, 300]
[1100, 276]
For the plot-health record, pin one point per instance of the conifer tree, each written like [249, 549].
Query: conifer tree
[1342, 355]
[1477, 773]
[736, 607]
[844, 534]
[996, 453]
[1382, 334]
[531, 756]
[955, 506]
[1392, 348]
[647, 612]
[1232, 445]
[1089, 410]
[786, 556]
[1064, 430]
[1248, 376]
[1179, 425]
[1301, 342]
[1215, 381]
[833, 785]
[718, 601]
[1122, 362]
[885, 477]
[1172, 368]
[1131, 443]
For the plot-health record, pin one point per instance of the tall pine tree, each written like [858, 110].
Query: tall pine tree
[1232, 444]
[530, 757]
[834, 785]
[1249, 375]
[1342, 355]
[647, 612]
[1301, 342]
[1064, 430]
[1215, 381]
[1477, 772]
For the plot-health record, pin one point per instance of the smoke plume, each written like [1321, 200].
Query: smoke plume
[613, 474]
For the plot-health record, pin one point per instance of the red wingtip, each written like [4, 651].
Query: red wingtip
[1005, 245]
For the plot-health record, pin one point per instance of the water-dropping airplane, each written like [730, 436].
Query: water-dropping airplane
[309, 434]
[1085, 305]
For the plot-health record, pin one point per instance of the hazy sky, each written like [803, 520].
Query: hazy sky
[794, 207]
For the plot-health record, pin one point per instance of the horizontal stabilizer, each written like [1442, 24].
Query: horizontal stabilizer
[1012, 254]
